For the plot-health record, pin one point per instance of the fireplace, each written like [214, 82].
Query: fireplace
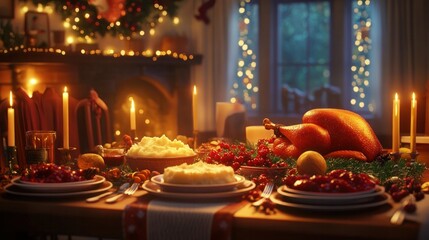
[161, 87]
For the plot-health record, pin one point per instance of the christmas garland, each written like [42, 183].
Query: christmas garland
[135, 16]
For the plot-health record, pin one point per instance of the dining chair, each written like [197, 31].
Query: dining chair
[4, 104]
[327, 96]
[50, 109]
[93, 121]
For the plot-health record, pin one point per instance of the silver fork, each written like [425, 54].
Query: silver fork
[130, 191]
[265, 194]
[121, 189]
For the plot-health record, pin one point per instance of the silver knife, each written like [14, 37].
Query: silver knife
[121, 189]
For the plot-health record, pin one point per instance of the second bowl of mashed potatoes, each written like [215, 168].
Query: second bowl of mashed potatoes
[157, 153]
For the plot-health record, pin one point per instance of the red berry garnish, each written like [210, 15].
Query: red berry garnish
[419, 196]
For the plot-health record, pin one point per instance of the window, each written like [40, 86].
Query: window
[303, 54]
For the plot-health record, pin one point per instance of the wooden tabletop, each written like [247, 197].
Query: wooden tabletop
[76, 217]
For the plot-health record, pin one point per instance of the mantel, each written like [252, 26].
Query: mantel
[164, 80]
[75, 58]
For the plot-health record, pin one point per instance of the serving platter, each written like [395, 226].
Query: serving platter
[330, 199]
[196, 188]
[237, 191]
[59, 187]
[377, 201]
[16, 190]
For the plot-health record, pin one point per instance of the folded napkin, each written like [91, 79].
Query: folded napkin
[421, 215]
[150, 218]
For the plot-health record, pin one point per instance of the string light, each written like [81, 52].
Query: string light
[108, 52]
[360, 94]
[245, 86]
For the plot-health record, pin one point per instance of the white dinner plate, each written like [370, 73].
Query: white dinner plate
[197, 188]
[327, 199]
[15, 190]
[291, 190]
[239, 190]
[378, 201]
[59, 187]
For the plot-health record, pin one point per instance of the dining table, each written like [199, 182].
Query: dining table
[24, 216]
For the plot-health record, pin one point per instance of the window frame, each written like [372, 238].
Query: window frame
[340, 58]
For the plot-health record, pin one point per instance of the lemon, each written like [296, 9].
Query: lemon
[311, 163]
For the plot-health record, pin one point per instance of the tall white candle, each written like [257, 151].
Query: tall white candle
[395, 124]
[195, 109]
[413, 127]
[66, 144]
[132, 115]
[10, 122]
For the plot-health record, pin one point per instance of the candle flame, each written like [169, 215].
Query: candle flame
[10, 98]
[65, 89]
[195, 90]
[414, 96]
[396, 96]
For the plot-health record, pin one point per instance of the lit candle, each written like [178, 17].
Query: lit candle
[66, 119]
[194, 109]
[132, 115]
[413, 124]
[395, 124]
[10, 123]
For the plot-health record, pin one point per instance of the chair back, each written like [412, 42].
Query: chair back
[50, 109]
[93, 121]
[26, 118]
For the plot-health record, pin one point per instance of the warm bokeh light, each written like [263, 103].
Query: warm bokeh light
[176, 20]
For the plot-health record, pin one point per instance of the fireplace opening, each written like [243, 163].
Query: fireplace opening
[155, 107]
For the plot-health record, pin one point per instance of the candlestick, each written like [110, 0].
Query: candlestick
[195, 109]
[395, 124]
[132, 116]
[11, 159]
[413, 124]
[65, 118]
[10, 122]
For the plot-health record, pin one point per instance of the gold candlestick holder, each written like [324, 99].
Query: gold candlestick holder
[66, 157]
[11, 159]
[134, 135]
[395, 155]
[414, 155]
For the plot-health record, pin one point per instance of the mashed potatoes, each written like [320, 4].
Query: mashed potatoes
[199, 173]
[155, 147]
